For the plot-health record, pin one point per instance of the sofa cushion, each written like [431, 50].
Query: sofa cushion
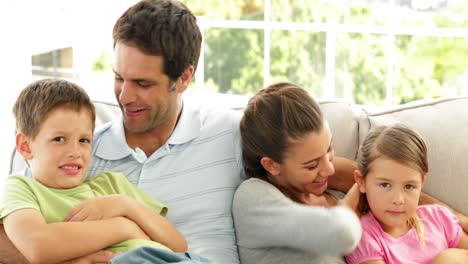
[344, 119]
[443, 124]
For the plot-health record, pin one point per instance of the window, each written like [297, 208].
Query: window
[374, 52]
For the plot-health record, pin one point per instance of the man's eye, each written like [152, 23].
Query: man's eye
[144, 84]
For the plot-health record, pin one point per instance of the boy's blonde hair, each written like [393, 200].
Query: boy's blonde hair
[39, 98]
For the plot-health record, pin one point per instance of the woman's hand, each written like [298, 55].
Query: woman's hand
[351, 199]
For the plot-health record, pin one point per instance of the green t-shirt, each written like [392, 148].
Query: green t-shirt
[54, 204]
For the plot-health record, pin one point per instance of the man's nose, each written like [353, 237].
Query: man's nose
[127, 93]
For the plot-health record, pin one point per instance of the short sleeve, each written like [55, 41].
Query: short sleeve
[17, 194]
[369, 248]
[449, 221]
[116, 183]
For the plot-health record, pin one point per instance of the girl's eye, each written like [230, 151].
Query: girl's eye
[59, 139]
[409, 187]
[385, 184]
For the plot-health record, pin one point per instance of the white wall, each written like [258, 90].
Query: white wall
[15, 73]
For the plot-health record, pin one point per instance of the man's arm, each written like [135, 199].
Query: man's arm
[8, 252]
[427, 199]
[343, 178]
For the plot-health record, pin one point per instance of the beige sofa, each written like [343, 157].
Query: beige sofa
[443, 123]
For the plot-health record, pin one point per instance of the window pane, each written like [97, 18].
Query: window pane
[233, 60]
[443, 13]
[227, 9]
[315, 11]
[298, 57]
[55, 63]
[429, 67]
[360, 70]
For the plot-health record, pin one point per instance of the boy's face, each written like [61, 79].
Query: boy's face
[60, 153]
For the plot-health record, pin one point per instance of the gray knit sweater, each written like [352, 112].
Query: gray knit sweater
[273, 229]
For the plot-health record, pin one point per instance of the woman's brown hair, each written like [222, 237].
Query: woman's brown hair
[273, 117]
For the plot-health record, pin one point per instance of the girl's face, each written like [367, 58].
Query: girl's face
[307, 165]
[393, 192]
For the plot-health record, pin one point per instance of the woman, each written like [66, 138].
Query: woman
[284, 213]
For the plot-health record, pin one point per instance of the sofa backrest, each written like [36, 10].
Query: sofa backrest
[344, 119]
[443, 124]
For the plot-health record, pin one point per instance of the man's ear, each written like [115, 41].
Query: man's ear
[360, 181]
[185, 79]
[270, 165]
[23, 146]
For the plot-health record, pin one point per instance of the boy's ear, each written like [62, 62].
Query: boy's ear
[360, 181]
[270, 165]
[22, 146]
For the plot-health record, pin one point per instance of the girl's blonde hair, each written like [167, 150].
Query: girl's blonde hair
[401, 144]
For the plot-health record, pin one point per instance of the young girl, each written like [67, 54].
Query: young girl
[392, 170]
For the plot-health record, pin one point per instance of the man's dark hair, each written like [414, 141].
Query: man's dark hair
[163, 28]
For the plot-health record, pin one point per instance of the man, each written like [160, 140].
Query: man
[189, 158]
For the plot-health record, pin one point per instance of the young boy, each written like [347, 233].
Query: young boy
[45, 217]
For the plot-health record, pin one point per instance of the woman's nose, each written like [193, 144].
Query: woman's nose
[328, 169]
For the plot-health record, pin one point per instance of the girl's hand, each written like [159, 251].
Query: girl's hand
[463, 220]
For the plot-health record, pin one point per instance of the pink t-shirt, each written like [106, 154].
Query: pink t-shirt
[441, 231]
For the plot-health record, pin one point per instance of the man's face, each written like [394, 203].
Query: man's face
[147, 97]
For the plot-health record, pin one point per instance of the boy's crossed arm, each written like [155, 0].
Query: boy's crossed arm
[50, 243]
[93, 225]
[157, 227]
